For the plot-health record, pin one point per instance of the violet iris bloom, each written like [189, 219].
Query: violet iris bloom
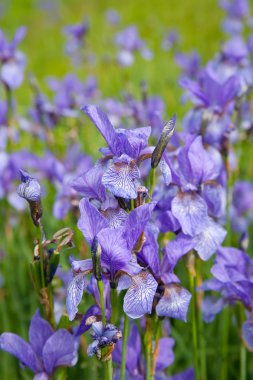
[47, 350]
[13, 61]
[232, 278]
[117, 245]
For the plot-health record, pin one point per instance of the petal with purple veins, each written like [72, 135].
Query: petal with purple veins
[121, 178]
[174, 302]
[209, 239]
[139, 297]
[75, 291]
[191, 211]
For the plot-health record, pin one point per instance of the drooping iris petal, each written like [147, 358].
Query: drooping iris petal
[211, 307]
[17, 347]
[174, 302]
[74, 294]
[121, 178]
[191, 211]
[136, 222]
[59, 350]
[139, 297]
[247, 334]
[165, 353]
[39, 332]
[91, 220]
[115, 254]
[209, 239]
[148, 256]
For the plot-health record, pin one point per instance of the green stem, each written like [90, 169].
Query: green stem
[107, 363]
[202, 342]
[148, 345]
[114, 305]
[151, 181]
[243, 351]
[224, 345]
[39, 239]
[124, 348]
[102, 300]
[158, 327]
[192, 280]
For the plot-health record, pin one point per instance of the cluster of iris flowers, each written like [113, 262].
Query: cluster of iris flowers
[158, 197]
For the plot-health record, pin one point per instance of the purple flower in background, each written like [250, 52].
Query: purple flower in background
[129, 41]
[47, 350]
[112, 16]
[170, 40]
[76, 40]
[12, 61]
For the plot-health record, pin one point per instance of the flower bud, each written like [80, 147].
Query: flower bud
[167, 132]
[30, 190]
[96, 259]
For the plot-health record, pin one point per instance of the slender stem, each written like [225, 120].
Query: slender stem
[151, 181]
[39, 239]
[224, 344]
[102, 300]
[107, 363]
[148, 345]
[158, 327]
[202, 342]
[114, 305]
[243, 351]
[194, 321]
[124, 348]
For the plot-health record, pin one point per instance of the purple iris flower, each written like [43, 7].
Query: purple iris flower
[170, 40]
[129, 42]
[76, 40]
[117, 245]
[232, 278]
[189, 63]
[242, 206]
[125, 148]
[47, 350]
[184, 206]
[12, 61]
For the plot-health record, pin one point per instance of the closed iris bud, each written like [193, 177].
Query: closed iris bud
[96, 259]
[30, 190]
[167, 132]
